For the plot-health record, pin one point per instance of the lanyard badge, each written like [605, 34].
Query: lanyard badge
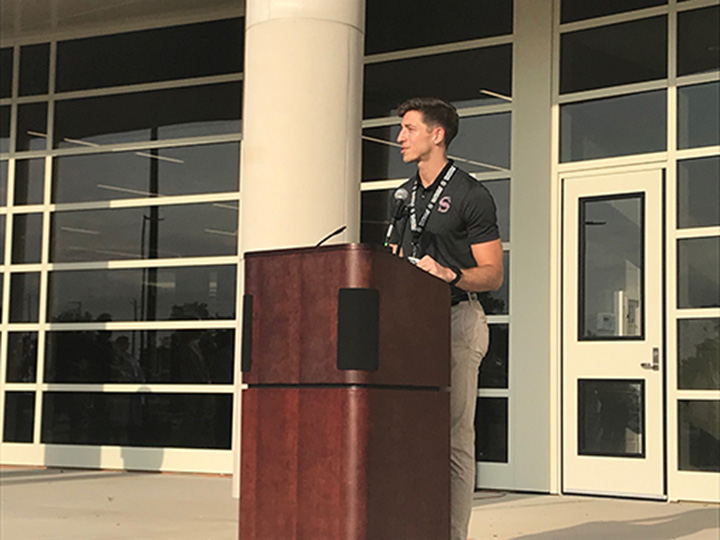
[416, 227]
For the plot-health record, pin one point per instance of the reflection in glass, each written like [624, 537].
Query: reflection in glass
[26, 238]
[185, 170]
[31, 127]
[457, 76]
[5, 129]
[21, 356]
[24, 296]
[575, 10]
[34, 69]
[482, 143]
[699, 435]
[494, 367]
[698, 187]
[154, 356]
[491, 430]
[612, 55]
[611, 267]
[699, 354]
[699, 115]
[496, 302]
[611, 417]
[188, 230]
[19, 417]
[617, 126]
[138, 419]
[148, 116]
[29, 181]
[699, 272]
[142, 294]
[6, 72]
[698, 38]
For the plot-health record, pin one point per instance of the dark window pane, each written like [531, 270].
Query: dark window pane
[699, 354]
[611, 418]
[698, 192]
[611, 280]
[26, 238]
[148, 116]
[21, 356]
[142, 294]
[390, 25]
[2, 238]
[24, 296]
[699, 115]
[34, 69]
[188, 230]
[458, 77]
[184, 170]
[6, 72]
[698, 38]
[29, 181]
[481, 141]
[5, 129]
[138, 419]
[496, 302]
[154, 356]
[491, 430]
[623, 53]
[699, 272]
[4, 165]
[699, 435]
[32, 127]
[494, 367]
[179, 52]
[381, 159]
[376, 206]
[19, 417]
[617, 126]
[576, 10]
[500, 191]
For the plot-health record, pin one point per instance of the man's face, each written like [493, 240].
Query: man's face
[416, 138]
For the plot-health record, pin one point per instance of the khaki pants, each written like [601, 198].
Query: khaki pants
[470, 339]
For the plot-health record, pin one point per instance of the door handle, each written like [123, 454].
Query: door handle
[655, 364]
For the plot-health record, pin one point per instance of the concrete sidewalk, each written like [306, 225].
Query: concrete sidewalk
[68, 504]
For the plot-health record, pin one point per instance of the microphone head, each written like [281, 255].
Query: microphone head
[401, 195]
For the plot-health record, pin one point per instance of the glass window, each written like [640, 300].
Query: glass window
[2, 238]
[698, 187]
[32, 127]
[611, 417]
[153, 356]
[178, 52]
[148, 116]
[21, 356]
[24, 296]
[698, 38]
[34, 69]
[6, 72]
[142, 294]
[381, 158]
[188, 230]
[459, 77]
[26, 238]
[389, 24]
[138, 419]
[491, 430]
[623, 53]
[5, 129]
[187, 170]
[29, 181]
[500, 190]
[376, 207]
[699, 354]
[19, 417]
[3, 182]
[617, 126]
[699, 272]
[576, 10]
[496, 302]
[699, 435]
[494, 367]
[699, 115]
[611, 290]
[482, 140]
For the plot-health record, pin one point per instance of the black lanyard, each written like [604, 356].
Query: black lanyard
[418, 228]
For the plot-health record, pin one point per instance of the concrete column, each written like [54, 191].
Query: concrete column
[302, 114]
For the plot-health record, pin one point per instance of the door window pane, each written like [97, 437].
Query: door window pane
[19, 417]
[24, 296]
[34, 69]
[497, 302]
[26, 238]
[29, 181]
[6, 72]
[494, 367]
[698, 38]
[699, 272]
[575, 10]
[699, 435]
[611, 418]
[698, 187]
[699, 115]
[699, 354]
[611, 294]
[491, 430]
[617, 126]
[21, 356]
[612, 55]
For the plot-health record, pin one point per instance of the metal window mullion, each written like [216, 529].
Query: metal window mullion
[179, 262]
[431, 50]
[127, 326]
[145, 388]
[698, 395]
[690, 153]
[615, 18]
[697, 313]
[698, 78]
[693, 4]
[139, 202]
[697, 232]
[612, 91]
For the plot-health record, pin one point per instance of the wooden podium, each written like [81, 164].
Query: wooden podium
[345, 422]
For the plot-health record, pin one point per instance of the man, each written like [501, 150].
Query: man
[451, 232]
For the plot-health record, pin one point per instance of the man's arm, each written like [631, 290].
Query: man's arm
[486, 276]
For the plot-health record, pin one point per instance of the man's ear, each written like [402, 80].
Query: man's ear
[438, 135]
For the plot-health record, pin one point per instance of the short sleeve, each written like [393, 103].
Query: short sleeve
[480, 215]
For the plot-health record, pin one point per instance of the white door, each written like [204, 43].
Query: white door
[613, 407]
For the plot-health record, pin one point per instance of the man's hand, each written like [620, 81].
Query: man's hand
[432, 267]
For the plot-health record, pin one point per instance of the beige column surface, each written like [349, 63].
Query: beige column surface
[302, 115]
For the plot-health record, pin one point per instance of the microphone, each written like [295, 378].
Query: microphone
[400, 197]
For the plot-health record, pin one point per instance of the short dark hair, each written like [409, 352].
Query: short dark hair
[436, 112]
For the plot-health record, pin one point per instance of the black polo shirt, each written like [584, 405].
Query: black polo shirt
[464, 215]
